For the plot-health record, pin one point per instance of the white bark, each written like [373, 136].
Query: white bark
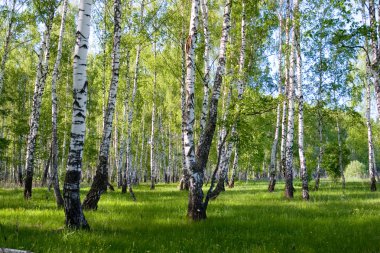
[39, 86]
[128, 163]
[207, 67]
[100, 182]
[290, 125]
[272, 168]
[190, 83]
[73, 207]
[153, 169]
[301, 151]
[226, 156]
[54, 165]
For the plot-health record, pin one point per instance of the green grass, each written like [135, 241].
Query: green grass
[244, 219]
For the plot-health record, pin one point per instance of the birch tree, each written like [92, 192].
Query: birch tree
[152, 141]
[207, 66]
[301, 151]
[226, 155]
[272, 168]
[54, 110]
[290, 126]
[128, 163]
[100, 182]
[39, 86]
[73, 208]
[196, 207]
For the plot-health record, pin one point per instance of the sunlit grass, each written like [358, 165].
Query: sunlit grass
[244, 219]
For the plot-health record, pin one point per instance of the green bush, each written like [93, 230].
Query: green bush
[356, 169]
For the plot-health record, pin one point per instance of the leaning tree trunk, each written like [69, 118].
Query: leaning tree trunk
[100, 182]
[42, 70]
[6, 46]
[301, 151]
[226, 155]
[207, 67]
[272, 168]
[196, 208]
[71, 196]
[290, 127]
[54, 110]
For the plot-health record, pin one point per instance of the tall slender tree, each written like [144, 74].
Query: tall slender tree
[54, 110]
[73, 208]
[100, 182]
[39, 86]
[196, 207]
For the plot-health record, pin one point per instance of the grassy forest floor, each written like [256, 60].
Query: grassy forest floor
[244, 219]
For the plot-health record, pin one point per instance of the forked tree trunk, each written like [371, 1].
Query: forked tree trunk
[8, 38]
[71, 196]
[99, 185]
[54, 110]
[272, 168]
[301, 151]
[290, 127]
[42, 70]
[196, 208]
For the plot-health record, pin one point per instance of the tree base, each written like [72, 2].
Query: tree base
[272, 184]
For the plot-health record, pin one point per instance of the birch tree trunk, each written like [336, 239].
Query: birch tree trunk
[301, 151]
[71, 197]
[152, 158]
[8, 38]
[185, 179]
[290, 127]
[190, 83]
[100, 182]
[39, 86]
[371, 151]
[123, 138]
[234, 169]
[320, 153]
[272, 168]
[286, 92]
[226, 155]
[196, 208]
[54, 110]
[207, 67]
[128, 163]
